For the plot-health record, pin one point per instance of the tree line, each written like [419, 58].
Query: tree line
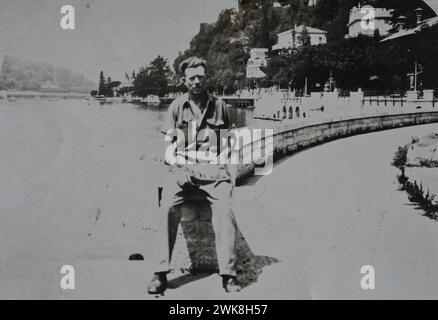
[156, 78]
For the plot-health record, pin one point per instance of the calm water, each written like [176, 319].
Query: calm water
[151, 116]
[241, 117]
[34, 132]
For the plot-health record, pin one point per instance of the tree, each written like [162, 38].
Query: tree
[159, 73]
[101, 84]
[353, 62]
[106, 87]
[109, 89]
[265, 41]
[400, 159]
[304, 37]
[153, 79]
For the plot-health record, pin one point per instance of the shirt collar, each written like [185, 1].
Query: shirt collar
[186, 99]
[209, 104]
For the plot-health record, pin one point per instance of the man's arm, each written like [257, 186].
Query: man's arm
[169, 145]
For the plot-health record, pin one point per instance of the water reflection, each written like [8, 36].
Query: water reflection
[240, 117]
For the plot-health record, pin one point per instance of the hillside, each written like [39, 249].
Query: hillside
[20, 75]
[226, 43]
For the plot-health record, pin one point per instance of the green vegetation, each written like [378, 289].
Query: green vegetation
[362, 62]
[106, 87]
[416, 193]
[425, 200]
[400, 159]
[154, 79]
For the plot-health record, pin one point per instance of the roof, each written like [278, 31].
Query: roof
[404, 33]
[127, 83]
[300, 29]
[278, 46]
[257, 73]
[260, 49]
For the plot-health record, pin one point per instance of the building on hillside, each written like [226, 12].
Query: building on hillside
[402, 31]
[257, 59]
[293, 38]
[242, 4]
[367, 20]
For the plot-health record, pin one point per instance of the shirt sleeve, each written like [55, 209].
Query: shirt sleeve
[167, 129]
[170, 121]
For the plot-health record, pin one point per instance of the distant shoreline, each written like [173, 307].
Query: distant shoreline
[4, 94]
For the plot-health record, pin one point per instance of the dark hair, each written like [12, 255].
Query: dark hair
[192, 62]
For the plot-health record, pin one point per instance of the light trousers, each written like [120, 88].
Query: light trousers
[173, 198]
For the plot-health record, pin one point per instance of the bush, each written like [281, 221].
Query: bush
[400, 159]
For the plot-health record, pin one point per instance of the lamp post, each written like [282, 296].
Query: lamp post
[305, 88]
[416, 76]
[331, 81]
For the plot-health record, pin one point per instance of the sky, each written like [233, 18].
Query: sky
[116, 36]
[110, 35]
[433, 4]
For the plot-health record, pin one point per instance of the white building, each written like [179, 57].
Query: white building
[292, 39]
[256, 60]
[366, 20]
[49, 85]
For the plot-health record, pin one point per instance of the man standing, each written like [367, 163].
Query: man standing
[200, 117]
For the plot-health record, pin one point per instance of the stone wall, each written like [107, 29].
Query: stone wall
[196, 226]
[289, 139]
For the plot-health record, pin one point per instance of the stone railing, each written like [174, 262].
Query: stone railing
[292, 138]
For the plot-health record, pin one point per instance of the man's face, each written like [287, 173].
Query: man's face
[195, 80]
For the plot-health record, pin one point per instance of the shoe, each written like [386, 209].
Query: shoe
[158, 284]
[230, 284]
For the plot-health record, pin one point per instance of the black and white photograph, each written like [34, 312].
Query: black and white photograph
[218, 150]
